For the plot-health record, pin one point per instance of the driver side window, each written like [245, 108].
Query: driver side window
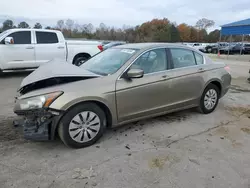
[20, 37]
[152, 61]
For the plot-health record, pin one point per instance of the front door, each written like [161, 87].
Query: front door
[19, 55]
[141, 97]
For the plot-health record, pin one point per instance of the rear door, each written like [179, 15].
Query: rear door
[48, 47]
[21, 54]
[187, 71]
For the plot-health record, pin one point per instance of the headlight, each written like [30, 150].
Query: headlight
[39, 101]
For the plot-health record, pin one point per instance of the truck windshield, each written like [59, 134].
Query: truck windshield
[108, 61]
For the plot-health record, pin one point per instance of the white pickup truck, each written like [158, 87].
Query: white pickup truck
[29, 48]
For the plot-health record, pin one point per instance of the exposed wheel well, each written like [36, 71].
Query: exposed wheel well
[218, 84]
[81, 55]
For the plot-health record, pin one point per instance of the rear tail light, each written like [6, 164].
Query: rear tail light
[100, 47]
[227, 68]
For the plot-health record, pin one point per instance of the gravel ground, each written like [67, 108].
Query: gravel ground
[184, 149]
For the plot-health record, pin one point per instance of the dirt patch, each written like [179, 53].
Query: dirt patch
[238, 111]
[222, 131]
[8, 132]
[236, 88]
[159, 162]
[245, 130]
[173, 117]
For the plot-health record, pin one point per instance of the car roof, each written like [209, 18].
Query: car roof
[148, 45]
[28, 29]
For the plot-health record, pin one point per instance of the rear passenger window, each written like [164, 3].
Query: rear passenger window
[46, 37]
[199, 58]
[182, 58]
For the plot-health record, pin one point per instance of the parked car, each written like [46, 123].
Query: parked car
[249, 76]
[198, 46]
[243, 48]
[111, 44]
[214, 48]
[122, 84]
[29, 48]
[233, 48]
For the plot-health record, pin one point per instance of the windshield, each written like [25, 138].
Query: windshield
[108, 61]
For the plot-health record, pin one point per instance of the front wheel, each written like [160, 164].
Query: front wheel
[209, 99]
[214, 51]
[82, 126]
[209, 50]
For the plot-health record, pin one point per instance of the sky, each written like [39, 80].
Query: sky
[125, 12]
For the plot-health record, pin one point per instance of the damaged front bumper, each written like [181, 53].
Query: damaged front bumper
[39, 124]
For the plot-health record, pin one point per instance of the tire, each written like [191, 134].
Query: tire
[214, 93]
[77, 131]
[209, 50]
[80, 60]
[214, 51]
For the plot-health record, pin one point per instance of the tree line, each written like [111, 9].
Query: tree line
[156, 30]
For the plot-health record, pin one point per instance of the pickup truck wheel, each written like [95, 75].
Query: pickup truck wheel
[80, 60]
[209, 99]
[209, 50]
[82, 126]
[214, 51]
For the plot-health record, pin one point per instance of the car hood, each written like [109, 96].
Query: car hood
[55, 71]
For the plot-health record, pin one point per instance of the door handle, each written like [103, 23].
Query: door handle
[200, 70]
[30, 47]
[60, 47]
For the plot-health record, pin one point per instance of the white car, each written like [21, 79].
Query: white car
[29, 48]
[199, 46]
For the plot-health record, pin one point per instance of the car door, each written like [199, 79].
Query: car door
[20, 54]
[187, 71]
[48, 47]
[144, 96]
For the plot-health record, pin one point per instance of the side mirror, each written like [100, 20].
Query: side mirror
[9, 40]
[135, 73]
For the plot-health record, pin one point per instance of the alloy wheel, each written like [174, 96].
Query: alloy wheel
[210, 99]
[84, 126]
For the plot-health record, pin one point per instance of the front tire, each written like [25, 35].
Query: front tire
[209, 99]
[82, 125]
[214, 51]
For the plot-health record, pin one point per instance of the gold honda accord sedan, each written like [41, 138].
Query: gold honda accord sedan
[117, 86]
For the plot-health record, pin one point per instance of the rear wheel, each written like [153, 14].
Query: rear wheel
[80, 60]
[82, 126]
[209, 99]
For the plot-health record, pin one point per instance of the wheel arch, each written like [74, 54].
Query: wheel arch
[102, 105]
[216, 82]
[81, 55]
